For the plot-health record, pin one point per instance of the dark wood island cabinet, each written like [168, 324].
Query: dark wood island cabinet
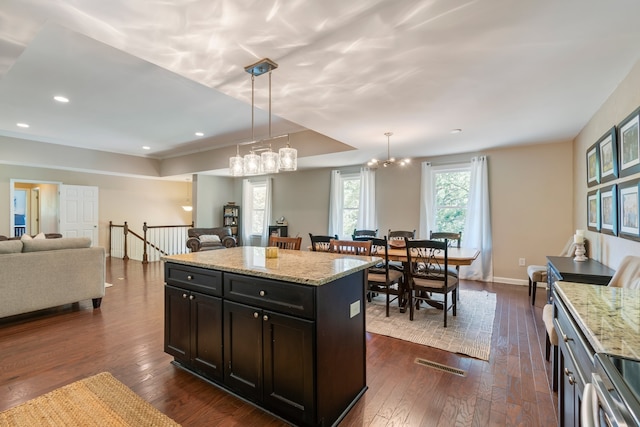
[287, 334]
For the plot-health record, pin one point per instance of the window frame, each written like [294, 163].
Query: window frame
[255, 184]
[345, 177]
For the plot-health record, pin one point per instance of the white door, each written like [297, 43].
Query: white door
[79, 212]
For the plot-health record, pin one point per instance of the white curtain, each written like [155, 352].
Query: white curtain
[426, 202]
[247, 202]
[335, 204]
[477, 229]
[247, 211]
[267, 214]
[367, 206]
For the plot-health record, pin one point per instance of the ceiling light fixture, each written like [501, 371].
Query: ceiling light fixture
[268, 161]
[187, 207]
[61, 99]
[199, 134]
[456, 130]
[390, 160]
[22, 125]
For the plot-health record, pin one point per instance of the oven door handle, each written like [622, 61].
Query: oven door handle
[589, 407]
[609, 408]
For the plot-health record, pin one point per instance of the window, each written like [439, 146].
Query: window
[350, 203]
[451, 195]
[258, 205]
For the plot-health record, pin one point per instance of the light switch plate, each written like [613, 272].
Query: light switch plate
[354, 309]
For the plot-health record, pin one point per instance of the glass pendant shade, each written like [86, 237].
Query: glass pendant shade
[269, 162]
[288, 159]
[236, 165]
[251, 164]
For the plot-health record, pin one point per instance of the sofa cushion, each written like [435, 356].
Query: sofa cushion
[210, 238]
[55, 244]
[25, 237]
[10, 246]
[39, 236]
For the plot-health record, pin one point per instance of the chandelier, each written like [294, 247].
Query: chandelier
[390, 160]
[267, 161]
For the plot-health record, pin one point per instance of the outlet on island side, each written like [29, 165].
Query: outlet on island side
[522, 262]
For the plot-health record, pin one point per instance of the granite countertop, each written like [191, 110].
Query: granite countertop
[306, 267]
[608, 317]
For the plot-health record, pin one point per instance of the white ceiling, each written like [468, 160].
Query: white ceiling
[153, 72]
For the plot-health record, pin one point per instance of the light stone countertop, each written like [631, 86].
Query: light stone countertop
[609, 317]
[306, 267]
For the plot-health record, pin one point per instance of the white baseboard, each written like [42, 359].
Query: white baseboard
[511, 281]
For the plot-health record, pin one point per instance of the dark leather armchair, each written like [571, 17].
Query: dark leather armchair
[206, 239]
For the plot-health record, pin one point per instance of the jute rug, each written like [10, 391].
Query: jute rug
[100, 400]
[468, 333]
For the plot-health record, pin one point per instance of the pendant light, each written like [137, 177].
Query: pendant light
[268, 161]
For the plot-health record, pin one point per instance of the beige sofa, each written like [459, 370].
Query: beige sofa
[44, 273]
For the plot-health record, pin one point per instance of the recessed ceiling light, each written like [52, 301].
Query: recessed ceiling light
[199, 134]
[146, 147]
[456, 130]
[22, 125]
[62, 99]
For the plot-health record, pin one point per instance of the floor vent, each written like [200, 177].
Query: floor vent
[440, 367]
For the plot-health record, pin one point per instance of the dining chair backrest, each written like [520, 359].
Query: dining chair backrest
[286, 242]
[427, 259]
[628, 273]
[321, 243]
[352, 247]
[364, 233]
[401, 234]
[454, 239]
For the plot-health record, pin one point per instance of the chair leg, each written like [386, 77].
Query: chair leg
[530, 286]
[410, 304]
[533, 293]
[547, 347]
[555, 367]
[387, 300]
[444, 308]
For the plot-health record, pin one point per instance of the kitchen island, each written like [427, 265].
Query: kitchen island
[286, 334]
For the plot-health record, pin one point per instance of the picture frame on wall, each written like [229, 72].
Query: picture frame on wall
[609, 210]
[593, 165]
[629, 217]
[608, 151]
[629, 142]
[593, 210]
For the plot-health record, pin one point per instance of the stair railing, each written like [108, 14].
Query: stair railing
[156, 241]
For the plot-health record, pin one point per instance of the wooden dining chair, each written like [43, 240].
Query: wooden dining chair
[364, 233]
[428, 275]
[453, 240]
[321, 243]
[286, 242]
[382, 279]
[401, 234]
[352, 247]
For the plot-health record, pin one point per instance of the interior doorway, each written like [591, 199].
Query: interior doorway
[34, 207]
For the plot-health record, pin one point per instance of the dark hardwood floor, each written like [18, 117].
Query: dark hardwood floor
[49, 349]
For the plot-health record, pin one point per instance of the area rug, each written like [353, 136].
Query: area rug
[468, 333]
[100, 400]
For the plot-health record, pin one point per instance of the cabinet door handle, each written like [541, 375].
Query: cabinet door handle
[572, 380]
[189, 277]
[192, 297]
[567, 372]
[184, 295]
[256, 315]
[262, 293]
[565, 338]
[265, 317]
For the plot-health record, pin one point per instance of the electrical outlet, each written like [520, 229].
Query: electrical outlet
[522, 262]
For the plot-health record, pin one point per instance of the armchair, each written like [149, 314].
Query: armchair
[206, 239]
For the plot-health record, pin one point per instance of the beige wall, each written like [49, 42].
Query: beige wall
[120, 199]
[622, 102]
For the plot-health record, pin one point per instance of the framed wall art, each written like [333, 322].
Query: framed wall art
[629, 141]
[593, 165]
[609, 210]
[628, 199]
[608, 150]
[593, 210]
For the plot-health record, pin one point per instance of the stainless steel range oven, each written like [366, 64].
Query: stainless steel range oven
[613, 396]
